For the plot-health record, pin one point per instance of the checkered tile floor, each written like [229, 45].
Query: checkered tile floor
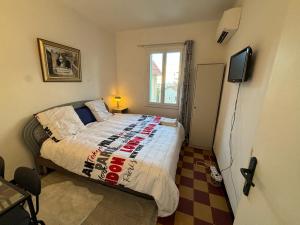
[201, 202]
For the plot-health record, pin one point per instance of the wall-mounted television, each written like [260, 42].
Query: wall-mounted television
[239, 64]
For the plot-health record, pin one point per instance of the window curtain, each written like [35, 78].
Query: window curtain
[185, 103]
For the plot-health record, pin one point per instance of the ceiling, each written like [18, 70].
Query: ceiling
[118, 15]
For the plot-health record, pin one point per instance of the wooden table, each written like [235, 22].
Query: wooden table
[120, 110]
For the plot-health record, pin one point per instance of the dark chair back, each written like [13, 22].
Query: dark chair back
[2, 167]
[30, 181]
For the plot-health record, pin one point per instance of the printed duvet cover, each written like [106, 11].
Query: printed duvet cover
[129, 150]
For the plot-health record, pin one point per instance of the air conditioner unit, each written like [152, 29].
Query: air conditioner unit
[228, 25]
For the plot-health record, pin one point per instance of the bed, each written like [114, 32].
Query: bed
[130, 152]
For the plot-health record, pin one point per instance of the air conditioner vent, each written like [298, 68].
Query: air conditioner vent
[222, 37]
[228, 25]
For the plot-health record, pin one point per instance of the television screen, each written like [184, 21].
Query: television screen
[238, 65]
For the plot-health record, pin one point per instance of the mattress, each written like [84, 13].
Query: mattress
[130, 150]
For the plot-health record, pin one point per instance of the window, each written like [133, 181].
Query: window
[164, 76]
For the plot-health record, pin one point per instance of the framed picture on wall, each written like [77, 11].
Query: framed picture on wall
[59, 63]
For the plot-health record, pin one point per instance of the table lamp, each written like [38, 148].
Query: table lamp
[118, 99]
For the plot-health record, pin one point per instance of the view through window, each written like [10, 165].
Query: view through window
[164, 77]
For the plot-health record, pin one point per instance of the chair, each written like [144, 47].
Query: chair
[2, 167]
[28, 180]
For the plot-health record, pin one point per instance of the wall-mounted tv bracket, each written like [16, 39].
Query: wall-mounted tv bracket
[248, 175]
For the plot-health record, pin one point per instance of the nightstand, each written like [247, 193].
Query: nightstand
[120, 110]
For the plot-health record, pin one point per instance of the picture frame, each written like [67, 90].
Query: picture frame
[59, 63]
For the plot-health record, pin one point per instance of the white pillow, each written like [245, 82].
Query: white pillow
[60, 122]
[99, 110]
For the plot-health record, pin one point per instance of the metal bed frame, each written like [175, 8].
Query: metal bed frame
[34, 136]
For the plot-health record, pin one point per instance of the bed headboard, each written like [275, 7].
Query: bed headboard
[34, 134]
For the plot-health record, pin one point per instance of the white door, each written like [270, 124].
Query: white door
[206, 99]
[275, 200]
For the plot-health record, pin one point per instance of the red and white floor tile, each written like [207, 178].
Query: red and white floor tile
[201, 202]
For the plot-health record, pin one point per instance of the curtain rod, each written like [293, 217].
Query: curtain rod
[160, 44]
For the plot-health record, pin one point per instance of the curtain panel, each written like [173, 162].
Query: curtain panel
[185, 103]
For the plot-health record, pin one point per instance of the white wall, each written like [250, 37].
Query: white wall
[260, 27]
[22, 90]
[275, 198]
[132, 60]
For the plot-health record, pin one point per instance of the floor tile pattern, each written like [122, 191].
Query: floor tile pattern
[201, 202]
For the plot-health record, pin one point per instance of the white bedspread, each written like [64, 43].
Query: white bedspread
[129, 150]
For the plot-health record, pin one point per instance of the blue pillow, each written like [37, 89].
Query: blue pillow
[85, 115]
